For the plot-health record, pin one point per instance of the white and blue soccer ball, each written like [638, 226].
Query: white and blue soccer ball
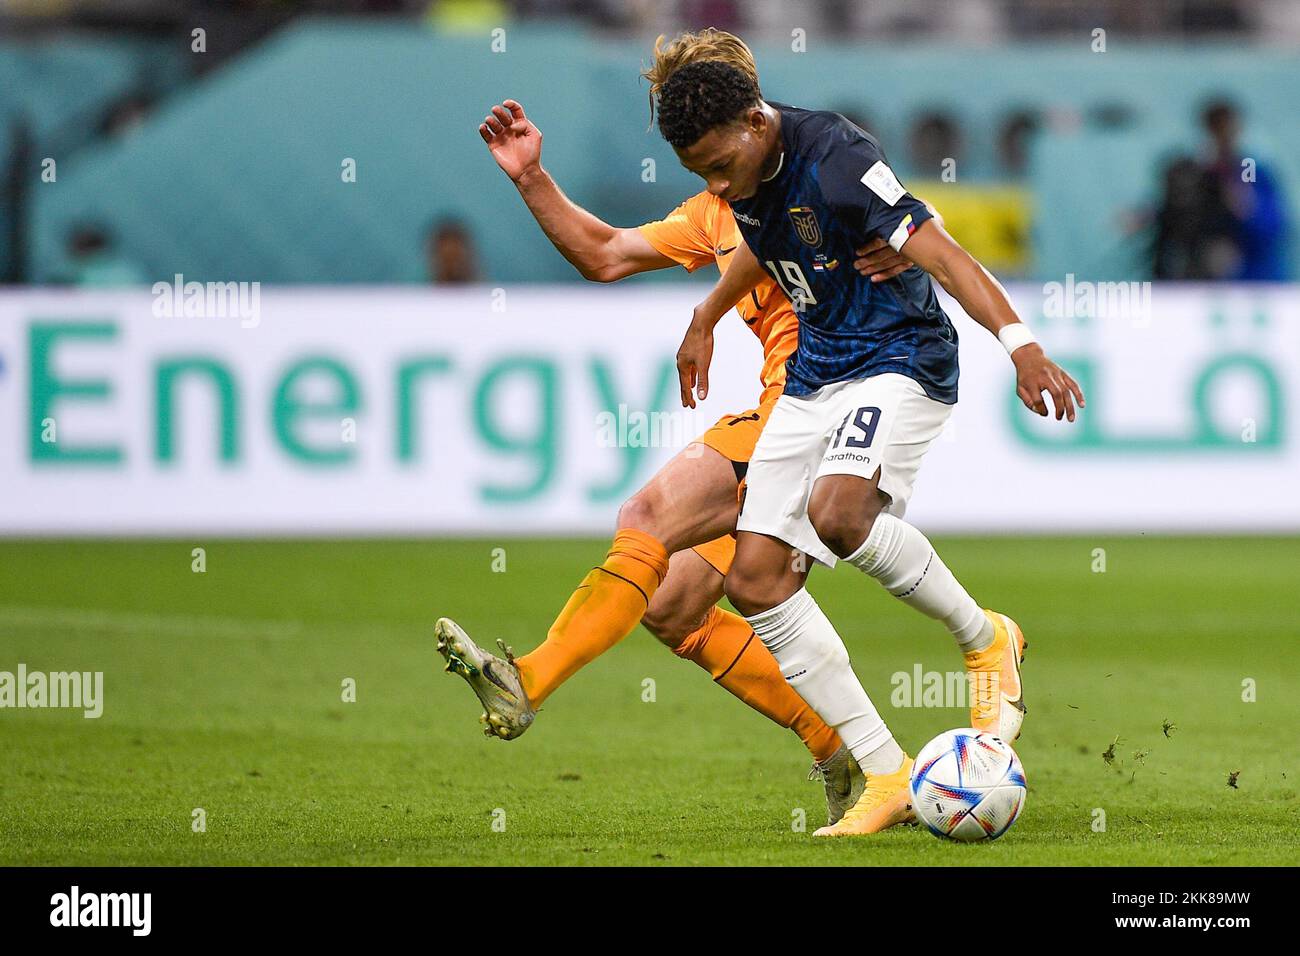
[968, 786]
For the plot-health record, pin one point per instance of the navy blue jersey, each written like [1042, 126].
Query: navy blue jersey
[833, 191]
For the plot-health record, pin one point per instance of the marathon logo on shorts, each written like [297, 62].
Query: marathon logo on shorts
[805, 225]
[862, 459]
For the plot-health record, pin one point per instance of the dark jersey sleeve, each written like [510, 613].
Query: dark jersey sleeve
[856, 180]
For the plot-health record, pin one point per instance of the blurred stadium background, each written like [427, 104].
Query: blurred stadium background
[213, 164]
[1080, 149]
[383, 344]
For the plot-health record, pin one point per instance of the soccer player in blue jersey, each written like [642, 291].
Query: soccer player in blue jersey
[868, 388]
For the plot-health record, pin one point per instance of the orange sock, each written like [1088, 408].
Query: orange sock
[727, 647]
[602, 611]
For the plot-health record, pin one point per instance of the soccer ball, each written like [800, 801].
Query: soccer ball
[968, 786]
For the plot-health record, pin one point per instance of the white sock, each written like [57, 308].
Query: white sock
[886, 758]
[903, 560]
[814, 661]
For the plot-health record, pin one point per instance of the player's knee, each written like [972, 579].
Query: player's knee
[639, 512]
[749, 592]
[843, 521]
[670, 625]
[842, 534]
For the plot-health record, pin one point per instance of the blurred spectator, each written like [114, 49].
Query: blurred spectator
[1251, 194]
[450, 251]
[127, 114]
[1017, 129]
[95, 263]
[935, 136]
[1221, 216]
[1194, 237]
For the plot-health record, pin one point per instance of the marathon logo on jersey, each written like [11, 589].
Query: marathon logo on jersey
[747, 220]
[805, 225]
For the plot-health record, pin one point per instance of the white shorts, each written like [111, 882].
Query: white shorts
[884, 422]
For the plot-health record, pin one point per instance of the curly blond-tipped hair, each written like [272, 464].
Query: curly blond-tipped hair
[707, 44]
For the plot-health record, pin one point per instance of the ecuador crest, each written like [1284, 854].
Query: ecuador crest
[805, 225]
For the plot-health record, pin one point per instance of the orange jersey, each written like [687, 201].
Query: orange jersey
[701, 230]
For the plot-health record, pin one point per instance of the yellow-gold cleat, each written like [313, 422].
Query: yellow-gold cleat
[886, 802]
[997, 696]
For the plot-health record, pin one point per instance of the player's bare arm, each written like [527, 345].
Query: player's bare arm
[985, 301]
[696, 351]
[599, 251]
[876, 259]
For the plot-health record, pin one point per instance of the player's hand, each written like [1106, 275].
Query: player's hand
[878, 260]
[515, 143]
[1036, 373]
[693, 360]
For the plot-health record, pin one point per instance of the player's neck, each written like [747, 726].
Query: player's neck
[775, 158]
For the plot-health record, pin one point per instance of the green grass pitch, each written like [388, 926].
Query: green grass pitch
[223, 692]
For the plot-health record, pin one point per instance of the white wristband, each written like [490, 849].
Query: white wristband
[1015, 335]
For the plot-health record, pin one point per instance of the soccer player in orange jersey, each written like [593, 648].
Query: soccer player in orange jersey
[674, 541]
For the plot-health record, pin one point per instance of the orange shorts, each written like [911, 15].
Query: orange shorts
[733, 437]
